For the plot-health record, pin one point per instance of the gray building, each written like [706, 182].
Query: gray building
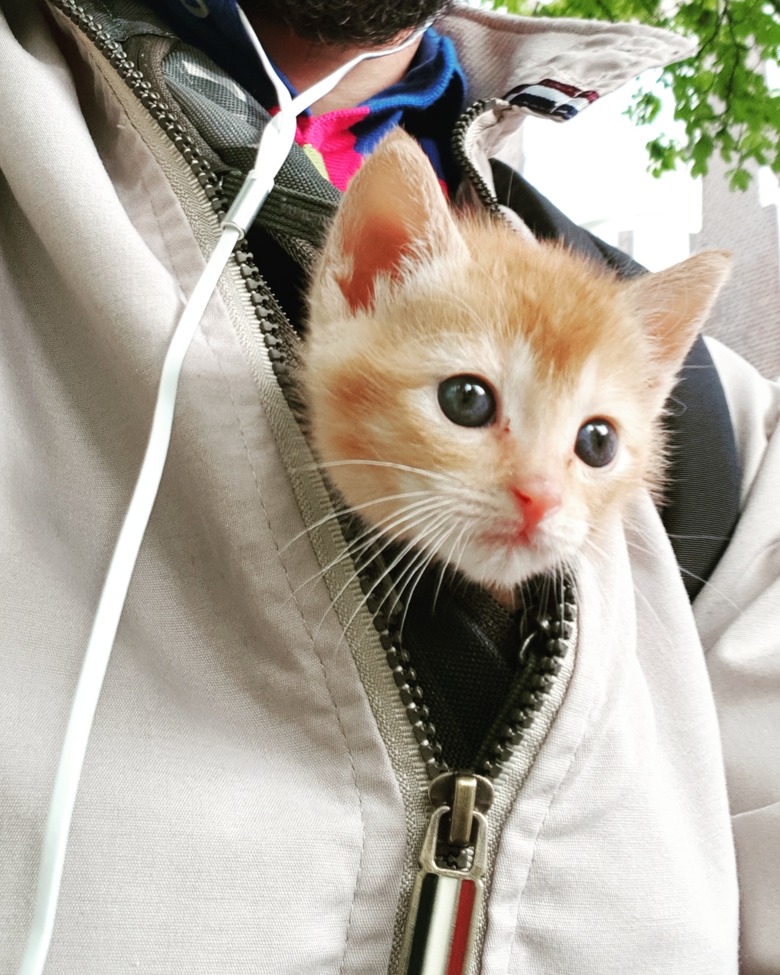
[747, 316]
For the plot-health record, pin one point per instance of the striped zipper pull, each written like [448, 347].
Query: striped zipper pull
[448, 890]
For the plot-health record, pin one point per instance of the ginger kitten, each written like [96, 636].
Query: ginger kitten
[483, 398]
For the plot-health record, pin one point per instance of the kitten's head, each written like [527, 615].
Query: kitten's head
[487, 398]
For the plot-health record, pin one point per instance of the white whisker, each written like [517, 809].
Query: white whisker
[709, 538]
[351, 509]
[420, 559]
[398, 559]
[414, 582]
[373, 533]
[449, 561]
[687, 572]
[391, 465]
[376, 534]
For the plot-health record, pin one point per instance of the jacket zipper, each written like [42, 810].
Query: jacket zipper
[278, 334]
[447, 898]
[546, 638]
[453, 858]
[484, 192]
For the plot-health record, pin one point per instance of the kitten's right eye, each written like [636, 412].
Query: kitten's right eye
[597, 442]
[468, 401]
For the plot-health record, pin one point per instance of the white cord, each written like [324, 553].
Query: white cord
[275, 143]
[110, 606]
[279, 135]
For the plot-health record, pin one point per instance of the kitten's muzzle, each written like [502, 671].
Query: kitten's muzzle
[534, 505]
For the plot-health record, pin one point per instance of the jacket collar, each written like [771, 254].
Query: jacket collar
[548, 67]
[504, 54]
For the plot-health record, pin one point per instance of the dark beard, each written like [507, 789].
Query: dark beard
[347, 22]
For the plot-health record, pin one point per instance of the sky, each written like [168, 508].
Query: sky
[594, 168]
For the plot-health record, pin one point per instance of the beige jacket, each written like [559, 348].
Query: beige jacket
[253, 798]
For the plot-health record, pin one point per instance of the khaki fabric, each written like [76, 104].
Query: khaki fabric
[252, 798]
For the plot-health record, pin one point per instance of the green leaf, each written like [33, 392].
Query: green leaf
[720, 94]
[739, 179]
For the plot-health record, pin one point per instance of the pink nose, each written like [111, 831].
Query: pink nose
[535, 505]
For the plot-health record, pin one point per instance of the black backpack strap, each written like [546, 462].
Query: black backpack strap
[703, 495]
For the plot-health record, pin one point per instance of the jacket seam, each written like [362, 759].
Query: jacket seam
[563, 779]
[314, 648]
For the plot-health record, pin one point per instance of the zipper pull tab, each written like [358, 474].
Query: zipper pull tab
[448, 890]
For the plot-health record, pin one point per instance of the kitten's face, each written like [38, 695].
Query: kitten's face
[490, 402]
[439, 417]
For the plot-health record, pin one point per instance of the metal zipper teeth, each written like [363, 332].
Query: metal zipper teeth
[527, 700]
[552, 632]
[280, 340]
[486, 196]
[279, 336]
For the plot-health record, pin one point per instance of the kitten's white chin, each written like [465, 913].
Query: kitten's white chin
[505, 568]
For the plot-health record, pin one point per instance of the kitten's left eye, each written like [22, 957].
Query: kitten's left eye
[596, 443]
[468, 401]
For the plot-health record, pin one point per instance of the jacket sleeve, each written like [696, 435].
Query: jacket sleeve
[738, 615]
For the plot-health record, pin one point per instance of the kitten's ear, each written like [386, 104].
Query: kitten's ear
[674, 304]
[392, 219]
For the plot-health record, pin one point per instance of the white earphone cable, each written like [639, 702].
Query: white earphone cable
[275, 143]
[104, 627]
